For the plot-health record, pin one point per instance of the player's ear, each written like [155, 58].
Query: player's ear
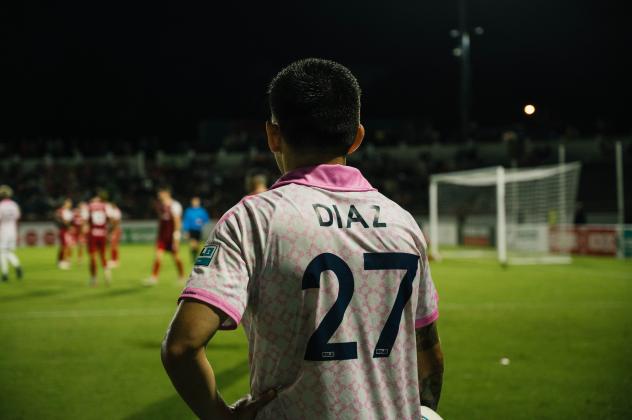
[358, 139]
[273, 132]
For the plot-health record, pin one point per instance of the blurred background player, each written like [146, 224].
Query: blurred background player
[97, 230]
[9, 216]
[79, 218]
[64, 220]
[195, 217]
[169, 225]
[115, 217]
[256, 183]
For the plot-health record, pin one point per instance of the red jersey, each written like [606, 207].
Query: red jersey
[166, 215]
[98, 219]
[78, 217]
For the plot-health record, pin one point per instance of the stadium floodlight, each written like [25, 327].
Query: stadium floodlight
[529, 109]
[516, 211]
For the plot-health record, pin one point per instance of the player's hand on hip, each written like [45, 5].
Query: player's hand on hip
[247, 407]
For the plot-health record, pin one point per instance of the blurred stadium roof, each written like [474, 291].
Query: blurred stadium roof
[86, 67]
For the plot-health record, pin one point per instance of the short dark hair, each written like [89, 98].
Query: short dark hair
[316, 103]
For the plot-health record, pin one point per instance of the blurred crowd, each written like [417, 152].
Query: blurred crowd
[397, 158]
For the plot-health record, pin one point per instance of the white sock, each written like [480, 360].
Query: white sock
[13, 259]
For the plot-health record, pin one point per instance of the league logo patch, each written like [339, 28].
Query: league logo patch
[206, 256]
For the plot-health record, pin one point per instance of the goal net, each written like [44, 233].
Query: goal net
[522, 215]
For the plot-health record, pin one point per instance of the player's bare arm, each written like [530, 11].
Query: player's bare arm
[184, 359]
[429, 365]
[177, 232]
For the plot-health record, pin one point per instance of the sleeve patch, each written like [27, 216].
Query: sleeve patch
[207, 255]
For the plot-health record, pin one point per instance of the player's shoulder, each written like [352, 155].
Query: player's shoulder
[176, 206]
[114, 212]
[395, 208]
[7, 202]
[392, 210]
[255, 208]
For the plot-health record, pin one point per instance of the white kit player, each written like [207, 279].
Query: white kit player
[329, 278]
[9, 216]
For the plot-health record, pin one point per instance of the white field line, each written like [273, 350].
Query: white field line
[87, 313]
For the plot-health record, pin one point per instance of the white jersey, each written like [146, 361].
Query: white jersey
[330, 279]
[9, 216]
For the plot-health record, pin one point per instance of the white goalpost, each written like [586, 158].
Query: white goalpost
[522, 214]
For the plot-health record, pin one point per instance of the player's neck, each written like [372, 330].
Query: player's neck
[292, 162]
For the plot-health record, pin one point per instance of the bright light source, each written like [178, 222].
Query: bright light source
[529, 109]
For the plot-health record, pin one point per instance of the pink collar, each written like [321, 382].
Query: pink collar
[327, 177]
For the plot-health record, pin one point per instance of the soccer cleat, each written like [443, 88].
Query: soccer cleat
[92, 282]
[150, 281]
[107, 275]
[64, 265]
[18, 272]
[113, 264]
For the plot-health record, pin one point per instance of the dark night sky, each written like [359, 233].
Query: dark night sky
[101, 69]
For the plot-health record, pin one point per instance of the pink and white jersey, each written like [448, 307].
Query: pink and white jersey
[330, 279]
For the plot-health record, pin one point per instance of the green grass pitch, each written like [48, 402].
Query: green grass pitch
[69, 351]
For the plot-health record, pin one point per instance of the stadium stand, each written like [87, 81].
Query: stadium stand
[397, 157]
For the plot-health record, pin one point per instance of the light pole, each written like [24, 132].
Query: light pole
[463, 53]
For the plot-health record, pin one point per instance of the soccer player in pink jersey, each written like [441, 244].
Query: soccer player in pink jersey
[329, 278]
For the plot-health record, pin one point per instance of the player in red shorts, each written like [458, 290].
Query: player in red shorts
[115, 234]
[97, 230]
[63, 218]
[170, 223]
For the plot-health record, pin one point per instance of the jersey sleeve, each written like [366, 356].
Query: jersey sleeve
[427, 303]
[176, 209]
[428, 300]
[230, 259]
[109, 211]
